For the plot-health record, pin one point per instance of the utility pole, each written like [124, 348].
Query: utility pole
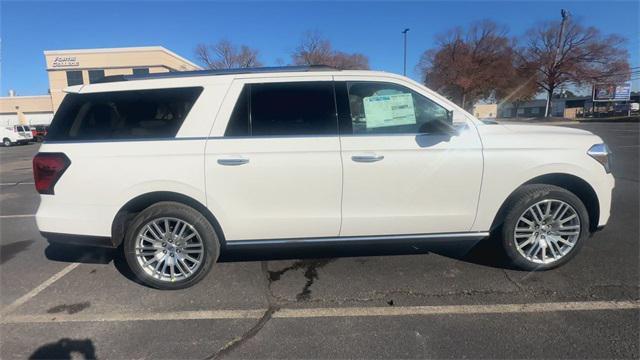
[565, 15]
[404, 69]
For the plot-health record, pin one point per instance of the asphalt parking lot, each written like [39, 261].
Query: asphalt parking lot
[401, 301]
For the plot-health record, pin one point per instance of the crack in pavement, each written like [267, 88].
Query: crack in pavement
[273, 306]
[310, 273]
[513, 281]
[253, 331]
[275, 302]
[310, 267]
[379, 296]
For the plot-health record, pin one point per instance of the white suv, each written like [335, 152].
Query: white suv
[172, 168]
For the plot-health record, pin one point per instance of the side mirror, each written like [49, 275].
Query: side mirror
[439, 127]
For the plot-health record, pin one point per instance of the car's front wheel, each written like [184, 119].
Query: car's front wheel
[544, 227]
[170, 246]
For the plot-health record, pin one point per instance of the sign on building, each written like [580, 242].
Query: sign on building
[65, 61]
[611, 92]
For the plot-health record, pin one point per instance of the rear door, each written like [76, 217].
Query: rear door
[411, 165]
[273, 168]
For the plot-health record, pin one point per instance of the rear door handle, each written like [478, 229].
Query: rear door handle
[367, 158]
[233, 161]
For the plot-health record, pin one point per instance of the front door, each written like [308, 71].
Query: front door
[410, 166]
[274, 171]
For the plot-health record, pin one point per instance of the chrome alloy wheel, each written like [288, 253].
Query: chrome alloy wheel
[169, 249]
[547, 231]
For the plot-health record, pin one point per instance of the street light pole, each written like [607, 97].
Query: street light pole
[565, 15]
[404, 69]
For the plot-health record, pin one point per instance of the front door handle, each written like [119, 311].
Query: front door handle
[367, 158]
[235, 161]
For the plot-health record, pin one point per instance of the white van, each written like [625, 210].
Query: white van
[17, 134]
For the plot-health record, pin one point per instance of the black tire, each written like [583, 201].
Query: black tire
[6, 142]
[185, 213]
[526, 197]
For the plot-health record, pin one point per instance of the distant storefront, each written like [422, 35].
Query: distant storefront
[527, 109]
[569, 108]
[77, 67]
[485, 111]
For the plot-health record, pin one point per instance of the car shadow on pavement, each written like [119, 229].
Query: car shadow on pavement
[483, 252]
[9, 251]
[90, 255]
[66, 349]
[80, 254]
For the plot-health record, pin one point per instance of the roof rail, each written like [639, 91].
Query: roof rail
[179, 74]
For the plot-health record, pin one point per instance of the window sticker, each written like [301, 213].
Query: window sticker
[389, 110]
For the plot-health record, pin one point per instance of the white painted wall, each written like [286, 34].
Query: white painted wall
[33, 119]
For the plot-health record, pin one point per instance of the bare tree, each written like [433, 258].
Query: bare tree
[574, 55]
[469, 65]
[316, 50]
[225, 55]
[519, 87]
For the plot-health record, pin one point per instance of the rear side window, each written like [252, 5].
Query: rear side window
[239, 122]
[284, 109]
[137, 114]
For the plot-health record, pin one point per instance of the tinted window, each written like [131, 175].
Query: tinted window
[239, 121]
[95, 75]
[141, 71]
[384, 108]
[74, 78]
[123, 114]
[305, 108]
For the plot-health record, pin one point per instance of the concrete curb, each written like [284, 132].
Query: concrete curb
[614, 120]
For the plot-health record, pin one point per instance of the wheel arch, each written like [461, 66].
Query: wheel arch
[129, 210]
[578, 186]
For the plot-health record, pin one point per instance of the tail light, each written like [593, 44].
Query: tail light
[47, 170]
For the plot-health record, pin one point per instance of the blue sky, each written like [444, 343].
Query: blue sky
[372, 28]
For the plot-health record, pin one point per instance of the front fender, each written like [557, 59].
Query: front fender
[501, 178]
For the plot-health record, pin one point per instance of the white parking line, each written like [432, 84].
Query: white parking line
[329, 312]
[17, 183]
[28, 296]
[16, 216]
[459, 309]
[119, 317]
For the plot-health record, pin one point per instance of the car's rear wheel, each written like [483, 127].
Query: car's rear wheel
[170, 246]
[6, 142]
[545, 226]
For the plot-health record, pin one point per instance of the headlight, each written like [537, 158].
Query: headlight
[602, 154]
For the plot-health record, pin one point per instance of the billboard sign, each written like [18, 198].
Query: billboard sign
[611, 92]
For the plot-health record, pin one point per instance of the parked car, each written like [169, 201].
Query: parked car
[176, 167]
[18, 134]
[39, 132]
